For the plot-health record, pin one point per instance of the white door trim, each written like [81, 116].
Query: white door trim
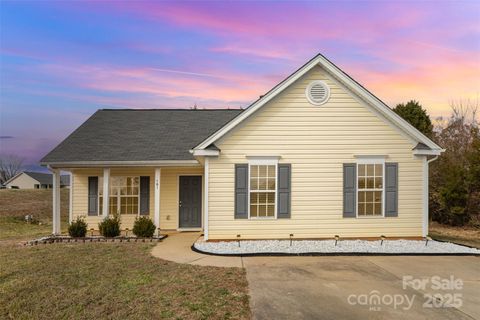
[178, 202]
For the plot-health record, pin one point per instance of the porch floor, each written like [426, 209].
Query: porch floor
[177, 248]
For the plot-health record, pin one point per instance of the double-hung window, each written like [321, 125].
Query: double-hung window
[370, 186]
[262, 189]
[124, 195]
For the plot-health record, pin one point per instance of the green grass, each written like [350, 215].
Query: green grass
[114, 281]
[17, 229]
[15, 204]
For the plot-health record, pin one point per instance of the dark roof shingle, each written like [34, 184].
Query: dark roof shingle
[139, 135]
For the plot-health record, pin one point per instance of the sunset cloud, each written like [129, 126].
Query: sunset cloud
[62, 60]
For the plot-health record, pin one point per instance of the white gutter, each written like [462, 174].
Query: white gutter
[434, 158]
[89, 164]
[203, 152]
[435, 152]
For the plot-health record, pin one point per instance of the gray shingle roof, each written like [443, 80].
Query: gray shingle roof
[139, 135]
[421, 146]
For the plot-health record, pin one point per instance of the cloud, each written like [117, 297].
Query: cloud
[6, 137]
[188, 73]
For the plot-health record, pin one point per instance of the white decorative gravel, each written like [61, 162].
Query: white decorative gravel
[328, 246]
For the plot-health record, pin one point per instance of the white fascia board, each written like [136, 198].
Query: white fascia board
[206, 153]
[420, 152]
[347, 81]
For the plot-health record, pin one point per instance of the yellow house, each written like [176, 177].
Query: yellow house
[316, 156]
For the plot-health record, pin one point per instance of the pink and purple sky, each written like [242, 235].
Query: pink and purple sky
[62, 60]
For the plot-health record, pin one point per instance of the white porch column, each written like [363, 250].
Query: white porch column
[70, 200]
[56, 202]
[106, 192]
[156, 217]
[205, 201]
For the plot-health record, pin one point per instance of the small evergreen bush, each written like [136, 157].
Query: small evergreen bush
[110, 226]
[78, 228]
[143, 227]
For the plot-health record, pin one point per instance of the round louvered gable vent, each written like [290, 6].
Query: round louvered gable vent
[318, 92]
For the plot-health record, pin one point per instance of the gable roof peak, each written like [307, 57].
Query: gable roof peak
[320, 60]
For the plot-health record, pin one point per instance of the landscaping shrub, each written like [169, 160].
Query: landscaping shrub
[78, 228]
[143, 227]
[110, 226]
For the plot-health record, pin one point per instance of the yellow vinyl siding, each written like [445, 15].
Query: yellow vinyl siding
[168, 193]
[316, 141]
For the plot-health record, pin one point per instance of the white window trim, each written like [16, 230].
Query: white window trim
[263, 162]
[119, 197]
[370, 160]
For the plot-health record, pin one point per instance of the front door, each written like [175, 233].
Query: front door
[190, 202]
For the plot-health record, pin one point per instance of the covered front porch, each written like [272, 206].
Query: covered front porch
[172, 196]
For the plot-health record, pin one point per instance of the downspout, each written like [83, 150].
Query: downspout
[426, 194]
[433, 159]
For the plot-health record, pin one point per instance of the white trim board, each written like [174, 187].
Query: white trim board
[90, 164]
[205, 153]
[392, 118]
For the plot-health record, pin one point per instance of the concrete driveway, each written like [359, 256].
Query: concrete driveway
[346, 287]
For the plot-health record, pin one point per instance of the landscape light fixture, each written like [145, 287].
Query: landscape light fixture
[383, 238]
[427, 238]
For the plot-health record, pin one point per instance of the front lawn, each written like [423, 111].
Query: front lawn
[114, 281]
[469, 236]
[15, 204]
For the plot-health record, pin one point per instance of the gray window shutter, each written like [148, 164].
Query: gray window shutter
[391, 189]
[349, 190]
[241, 191]
[145, 195]
[284, 190]
[92, 196]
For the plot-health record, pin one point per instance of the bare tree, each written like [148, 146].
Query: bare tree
[10, 165]
[455, 176]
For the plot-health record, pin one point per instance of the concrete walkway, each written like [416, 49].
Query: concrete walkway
[177, 248]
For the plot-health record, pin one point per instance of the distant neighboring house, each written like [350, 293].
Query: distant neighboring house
[35, 180]
[316, 156]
